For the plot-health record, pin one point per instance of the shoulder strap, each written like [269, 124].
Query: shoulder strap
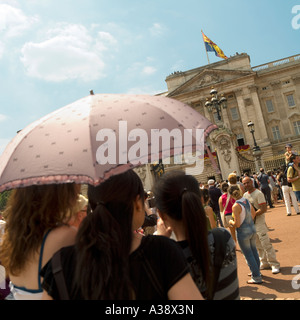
[59, 277]
[241, 203]
[41, 257]
[227, 201]
[220, 240]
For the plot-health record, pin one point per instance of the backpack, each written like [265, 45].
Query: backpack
[284, 176]
[59, 276]
[220, 241]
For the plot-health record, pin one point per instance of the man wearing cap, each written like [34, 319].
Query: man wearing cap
[214, 195]
[288, 153]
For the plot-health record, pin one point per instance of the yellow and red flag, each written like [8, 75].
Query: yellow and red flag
[211, 46]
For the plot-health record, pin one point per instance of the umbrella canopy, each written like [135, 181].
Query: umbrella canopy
[95, 137]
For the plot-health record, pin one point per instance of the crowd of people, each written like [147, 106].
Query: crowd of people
[57, 244]
[241, 208]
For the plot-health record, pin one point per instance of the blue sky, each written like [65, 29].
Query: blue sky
[53, 52]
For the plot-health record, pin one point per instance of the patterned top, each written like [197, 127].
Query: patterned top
[228, 284]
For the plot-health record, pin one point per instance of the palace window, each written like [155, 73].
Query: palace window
[297, 127]
[270, 107]
[290, 100]
[240, 139]
[234, 114]
[276, 133]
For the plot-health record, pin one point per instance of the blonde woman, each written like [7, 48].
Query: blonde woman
[242, 220]
[233, 181]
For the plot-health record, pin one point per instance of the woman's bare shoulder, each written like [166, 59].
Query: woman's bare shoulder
[62, 236]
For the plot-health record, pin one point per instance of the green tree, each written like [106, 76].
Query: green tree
[3, 199]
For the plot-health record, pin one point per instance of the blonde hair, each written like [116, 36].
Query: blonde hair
[235, 191]
[232, 178]
[82, 202]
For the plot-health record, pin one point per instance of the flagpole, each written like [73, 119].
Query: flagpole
[205, 47]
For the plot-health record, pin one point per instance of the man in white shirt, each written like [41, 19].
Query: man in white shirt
[264, 246]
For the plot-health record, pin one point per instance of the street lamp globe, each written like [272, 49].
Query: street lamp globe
[213, 92]
[223, 102]
[251, 126]
[214, 104]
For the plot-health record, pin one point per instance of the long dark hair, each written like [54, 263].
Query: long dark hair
[178, 195]
[104, 238]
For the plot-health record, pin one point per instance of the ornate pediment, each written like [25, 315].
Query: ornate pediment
[295, 116]
[207, 78]
[273, 121]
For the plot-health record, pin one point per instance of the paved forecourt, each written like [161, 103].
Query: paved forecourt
[284, 232]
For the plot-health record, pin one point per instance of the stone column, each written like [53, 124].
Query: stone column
[276, 88]
[243, 115]
[258, 160]
[258, 119]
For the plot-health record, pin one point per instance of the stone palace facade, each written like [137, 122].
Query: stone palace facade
[268, 95]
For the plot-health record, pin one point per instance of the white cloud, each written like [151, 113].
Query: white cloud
[3, 117]
[70, 52]
[157, 29]
[148, 70]
[141, 68]
[107, 37]
[13, 22]
[105, 41]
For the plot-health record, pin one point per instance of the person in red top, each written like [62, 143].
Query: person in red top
[228, 208]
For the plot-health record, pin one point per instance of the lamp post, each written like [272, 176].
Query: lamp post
[251, 128]
[215, 104]
[257, 153]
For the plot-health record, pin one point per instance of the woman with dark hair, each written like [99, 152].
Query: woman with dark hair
[110, 261]
[35, 229]
[178, 201]
[211, 216]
